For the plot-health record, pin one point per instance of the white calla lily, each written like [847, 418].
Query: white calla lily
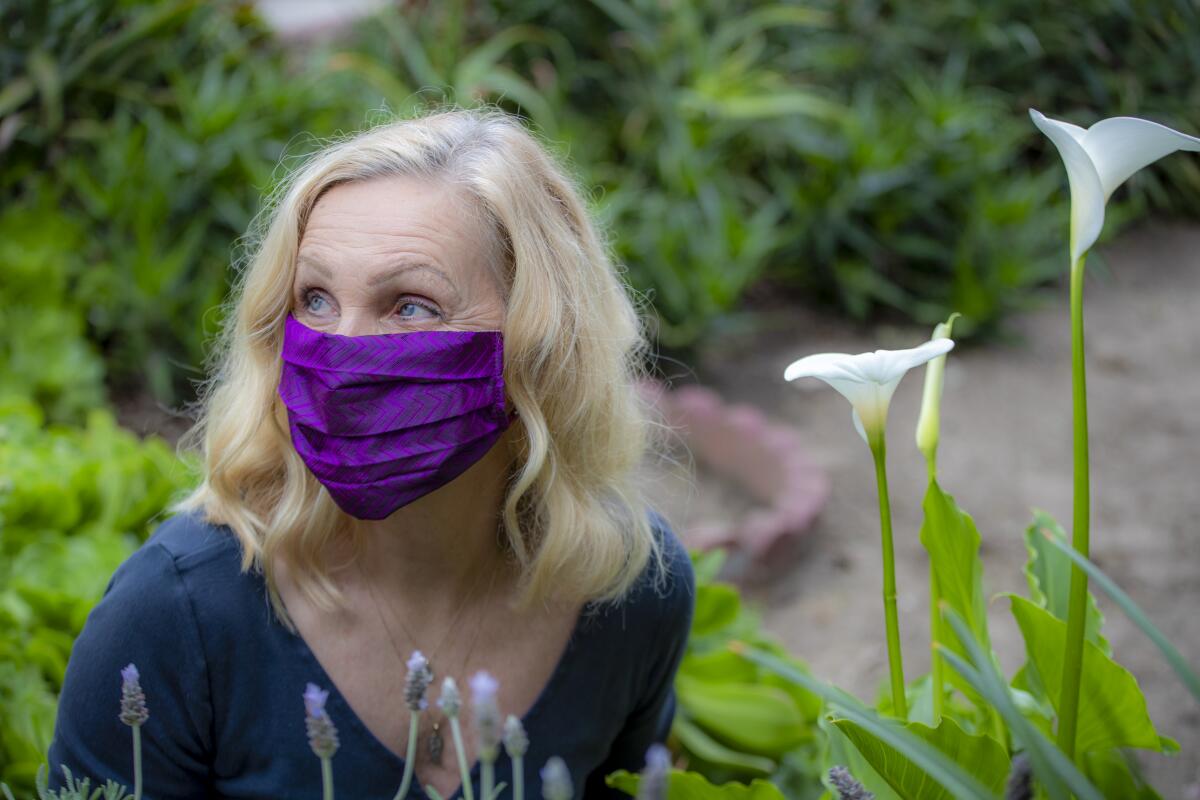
[1101, 158]
[1098, 160]
[867, 380]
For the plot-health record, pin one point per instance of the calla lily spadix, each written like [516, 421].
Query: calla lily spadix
[929, 421]
[867, 380]
[1101, 158]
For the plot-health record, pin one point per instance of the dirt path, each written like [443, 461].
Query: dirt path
[1006, 448]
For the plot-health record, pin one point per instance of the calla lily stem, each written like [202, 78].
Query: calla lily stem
[936, 662]
[1077, 610]
[890, 617]
[937, 665]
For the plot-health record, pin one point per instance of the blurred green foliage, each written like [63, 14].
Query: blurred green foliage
[44, 350]
[874, 156]
[160, 124]
[735, 720]
[75, 501]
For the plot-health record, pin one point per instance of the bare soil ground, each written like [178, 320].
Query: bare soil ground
[1006, 449]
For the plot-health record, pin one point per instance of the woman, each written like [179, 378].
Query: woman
[421, 433]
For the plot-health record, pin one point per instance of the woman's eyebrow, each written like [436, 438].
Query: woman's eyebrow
[405, 264]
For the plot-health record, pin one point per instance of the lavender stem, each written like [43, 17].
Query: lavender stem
[488, 780]
[410, 755]
[467, 789]
[327, 778]
[137, 762]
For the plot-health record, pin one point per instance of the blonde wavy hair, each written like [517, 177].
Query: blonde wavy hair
[575, 347]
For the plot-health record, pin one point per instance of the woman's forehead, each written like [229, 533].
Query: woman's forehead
[376, 227]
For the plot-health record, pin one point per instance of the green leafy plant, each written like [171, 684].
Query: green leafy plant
[155, 161]
[74, 503]
[44, 349]
[734, 719]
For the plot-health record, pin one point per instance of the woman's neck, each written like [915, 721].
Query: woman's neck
[429, 555]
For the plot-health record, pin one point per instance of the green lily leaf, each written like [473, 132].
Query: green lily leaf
[941, 768]
[1112, 710]
[707, 563]
[695, 786]
[1052, 767]
[1048, 572]
[753, 717]
[809, 703]
[982, 755]
[717, 606]
[1186, 674]
[1117, 775]
[720, 666]
[950, 536]
[841, 751]
[703, 746]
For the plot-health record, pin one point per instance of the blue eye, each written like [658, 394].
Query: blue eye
[309, 297]
[413, 305]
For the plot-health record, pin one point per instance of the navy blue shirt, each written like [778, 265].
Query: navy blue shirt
[224, 680]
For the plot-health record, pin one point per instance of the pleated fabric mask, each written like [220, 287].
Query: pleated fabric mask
[384, 419]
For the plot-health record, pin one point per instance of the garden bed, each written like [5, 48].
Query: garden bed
[1007, 449]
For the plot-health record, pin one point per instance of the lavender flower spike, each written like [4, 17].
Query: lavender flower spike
[847, 787]
[556, 780]
[1020, 779]
[134, 714]
[486, 714]
[322, 735]
[417, 682]
[133, 701]
[516, 742]
[449, 701]
[656, 775]
[415, 685]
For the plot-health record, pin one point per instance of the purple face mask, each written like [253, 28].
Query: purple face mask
[383, 419]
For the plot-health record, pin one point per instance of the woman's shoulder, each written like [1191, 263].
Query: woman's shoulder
[190, 539]
[146, 618]
[674, 585]
[206, 557]
[187, 572]
[661, 600]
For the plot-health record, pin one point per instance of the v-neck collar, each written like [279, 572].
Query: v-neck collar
[342, 711]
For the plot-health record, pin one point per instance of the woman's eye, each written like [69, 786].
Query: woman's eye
[309, 297]
[410, 309]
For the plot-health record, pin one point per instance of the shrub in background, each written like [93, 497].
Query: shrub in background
[160, 124]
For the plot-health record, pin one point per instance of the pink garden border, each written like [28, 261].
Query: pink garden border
[765, 458]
